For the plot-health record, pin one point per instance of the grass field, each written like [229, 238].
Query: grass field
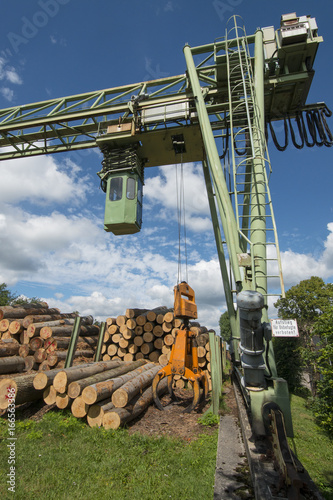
[313, 447]
[61, 458]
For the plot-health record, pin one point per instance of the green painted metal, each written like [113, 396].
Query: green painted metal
[123, 203]
[100, 341]
[198, 105]
[213, 160]
[216, 372]
[220, 251]
[73, 342]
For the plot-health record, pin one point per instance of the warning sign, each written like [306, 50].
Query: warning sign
[284, 328]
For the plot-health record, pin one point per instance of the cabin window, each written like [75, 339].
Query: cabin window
[116, 188]
[130, 190]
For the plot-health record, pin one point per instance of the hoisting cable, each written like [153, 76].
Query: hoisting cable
[180, 193]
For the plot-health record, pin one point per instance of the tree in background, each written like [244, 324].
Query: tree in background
[305, 302]
[323, 404]
[6, 297]
[225, 328]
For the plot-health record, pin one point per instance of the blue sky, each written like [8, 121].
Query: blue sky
[52, 243]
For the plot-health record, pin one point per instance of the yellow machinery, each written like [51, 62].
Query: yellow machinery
[184, 354]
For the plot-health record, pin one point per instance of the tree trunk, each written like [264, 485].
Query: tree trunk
[40, 355]
[30, 363]
[15, 327]
[122, 396]
[65, 377]
[22, 311]
[43, 380]
[75, 388]
[63, 401]
[119, 416]
[24, 390]
[50, 395]
[9, 348]
[102, 390]
[96, 412]
[79, 408]
[24, 350]
[36, 343]
[11, 364]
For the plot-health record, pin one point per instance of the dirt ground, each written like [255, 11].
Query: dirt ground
[174, 422]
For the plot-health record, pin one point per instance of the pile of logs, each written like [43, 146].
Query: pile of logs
[150, 334]
[38, 337]
[112, 391]
[107, 393]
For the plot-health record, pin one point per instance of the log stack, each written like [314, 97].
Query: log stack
[39, 337]
[150, 334]
[108, 393]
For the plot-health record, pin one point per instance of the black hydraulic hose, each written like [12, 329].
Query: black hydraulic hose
[226, 145]
[242, 153]
[306, 139]
[292, 133]
[323, 113]
[277, 145]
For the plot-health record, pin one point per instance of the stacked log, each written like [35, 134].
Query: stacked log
[150, 334]
[40, 336]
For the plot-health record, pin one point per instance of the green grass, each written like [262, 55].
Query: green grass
[313, 447]
[60, 458]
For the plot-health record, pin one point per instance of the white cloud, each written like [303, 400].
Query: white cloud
[7, 93]
[8, 73]
[162, 190]
[41, 180]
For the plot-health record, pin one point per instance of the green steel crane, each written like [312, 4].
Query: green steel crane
[215, 113]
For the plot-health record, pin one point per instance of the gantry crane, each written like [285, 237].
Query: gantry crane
[215, 113]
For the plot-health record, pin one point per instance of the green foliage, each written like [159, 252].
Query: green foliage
[6, 297]
[225, 326]
[306, 302]
[209, 419]
[324, 402]
[289, 362]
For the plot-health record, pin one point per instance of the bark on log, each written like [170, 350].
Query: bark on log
[63, 342]
[66, 331]
[65, 377]
[24, 338]
[22, 311]
[11, 364]
[122, 396]
[115, 418]
[24, 390]
[43, 380]
[94, 393]
[30, 364]
[75, 388]
[9, 348]
[133, 313]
